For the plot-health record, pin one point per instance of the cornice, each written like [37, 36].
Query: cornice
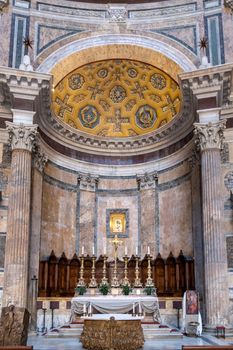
[18, 84]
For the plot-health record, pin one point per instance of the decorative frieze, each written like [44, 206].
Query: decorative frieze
[209, 136]
[22, 136]
[146, 180]
[88, 182]
[117, 13]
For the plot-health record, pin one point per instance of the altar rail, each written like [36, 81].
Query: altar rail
[58, 276]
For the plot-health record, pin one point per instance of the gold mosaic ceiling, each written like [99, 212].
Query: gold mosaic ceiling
[116, 98]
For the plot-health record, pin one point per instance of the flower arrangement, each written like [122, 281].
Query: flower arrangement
[80, 290]
[126, 289]
[104, 288]
[149, 290]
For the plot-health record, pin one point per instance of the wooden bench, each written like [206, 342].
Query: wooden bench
[16, 347]
[210, 347]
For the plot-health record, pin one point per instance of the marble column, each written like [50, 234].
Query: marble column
[22, 139]
[209, 138]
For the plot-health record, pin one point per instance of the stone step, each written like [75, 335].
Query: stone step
[151, 331]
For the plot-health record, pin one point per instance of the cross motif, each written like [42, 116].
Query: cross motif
[118, 120]
[63, 105]
[117, 74]
[95, 90]
[171, 105]
[139, 89]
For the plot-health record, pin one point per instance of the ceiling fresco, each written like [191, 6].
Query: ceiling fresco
[116, 98]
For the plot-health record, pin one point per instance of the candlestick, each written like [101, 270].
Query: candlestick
[104, 279]
[139, 309]
[133, 309]
[90, 310]
[137, 282]
[126, 280]
[84, 310]
[93, 283]
[149, 281]
[81, 281]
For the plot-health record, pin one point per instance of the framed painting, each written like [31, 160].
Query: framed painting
[117, 222]
[191, 302]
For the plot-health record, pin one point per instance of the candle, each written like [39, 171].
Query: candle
[105, 250]
[133, 308]
[139, 308]
[148, 250]
[84, 308]
[126, 251]
[136, 250]
[93, 250]
[82, 250]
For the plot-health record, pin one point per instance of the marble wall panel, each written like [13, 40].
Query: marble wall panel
[58, 231]
[61, 175]
[87, 221]
[227, 21]
[2, 249]
[174, 173]
[1, 152]
[148, 238]
[176, 220]
[117, 183]
[5, 27]
[107, 201]
[3, 218]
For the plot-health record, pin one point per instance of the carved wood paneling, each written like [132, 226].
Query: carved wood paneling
[58, 276]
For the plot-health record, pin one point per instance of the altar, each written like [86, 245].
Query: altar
[116, 304]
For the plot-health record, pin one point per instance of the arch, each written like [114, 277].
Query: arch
[139, 47]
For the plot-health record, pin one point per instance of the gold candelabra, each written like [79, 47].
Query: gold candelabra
[93, 283]
[104, 279]
[126, 280]
[81, 281]
[137, 282]
[149, 281]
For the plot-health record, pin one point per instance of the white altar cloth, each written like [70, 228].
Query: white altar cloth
[118, 317]
[116, 304]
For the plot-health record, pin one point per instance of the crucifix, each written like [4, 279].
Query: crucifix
[116, 242]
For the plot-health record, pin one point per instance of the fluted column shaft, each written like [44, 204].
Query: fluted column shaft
[210, 137]
[17, 240]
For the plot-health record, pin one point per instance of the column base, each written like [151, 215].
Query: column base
[14, 324]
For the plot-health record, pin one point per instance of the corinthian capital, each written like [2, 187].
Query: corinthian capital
[22, 136]
[209, 136]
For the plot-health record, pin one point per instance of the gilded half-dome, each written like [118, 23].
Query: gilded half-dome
[117, 98]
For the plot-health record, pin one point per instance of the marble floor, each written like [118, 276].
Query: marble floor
[40, 342]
